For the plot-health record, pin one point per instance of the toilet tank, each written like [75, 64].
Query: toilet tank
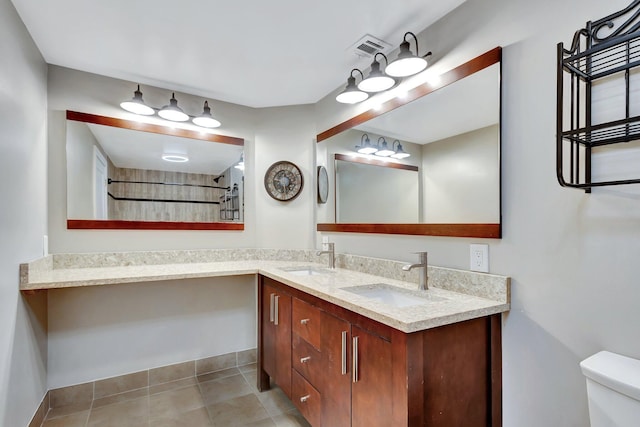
[613, 389]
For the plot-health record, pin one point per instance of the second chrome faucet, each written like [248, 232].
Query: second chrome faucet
[424, 278]
[332, 254]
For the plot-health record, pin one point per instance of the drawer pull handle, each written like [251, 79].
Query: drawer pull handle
[303, 399]
[271, 307]
[305, 359]
[304, 321]
[275, 311]
[344, 352]
[355, 359]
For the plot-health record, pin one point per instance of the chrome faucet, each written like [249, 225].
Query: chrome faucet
[424, 278]
[332, 254]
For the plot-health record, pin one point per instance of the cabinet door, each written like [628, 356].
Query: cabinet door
[268, 331]
[282, 322]
[335, 337]
[276, 336]
[372, 377]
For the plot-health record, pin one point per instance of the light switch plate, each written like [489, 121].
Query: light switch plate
[479, 258]
[325, 239]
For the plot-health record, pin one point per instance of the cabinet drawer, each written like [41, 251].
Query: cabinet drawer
[307, 361]
[307, 399]
[306, 322]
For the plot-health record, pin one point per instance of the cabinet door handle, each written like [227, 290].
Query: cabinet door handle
[355, 359]
[271, 305]
[304, 321]
[344, 352]
[303, 399]
[275, 310]
[305, 359]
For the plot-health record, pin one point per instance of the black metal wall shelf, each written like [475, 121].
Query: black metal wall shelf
[608, 48]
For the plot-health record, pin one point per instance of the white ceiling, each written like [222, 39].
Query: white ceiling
[468, 104]
[256, 53]
[143, 150]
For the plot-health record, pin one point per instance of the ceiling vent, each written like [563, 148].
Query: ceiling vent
[369, 45]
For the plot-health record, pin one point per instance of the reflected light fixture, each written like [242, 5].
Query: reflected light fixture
[240, 164]
[366, 147]
[175, 158]
[136, 105]
[376, 81]
[399, 153]
[407, 64]
[351, 94]
[205, 119]
[383, 148]
[172, 111]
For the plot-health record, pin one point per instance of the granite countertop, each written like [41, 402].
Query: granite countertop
[454, 295]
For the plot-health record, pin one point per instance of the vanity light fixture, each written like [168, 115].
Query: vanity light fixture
[366, 147]
[172, 111]
[376, 81]
[407, 64]
[136, 105]
[240, 164]
[399, 153]
[175, 158]
[205, 119]
[351, 94]
[383, 148]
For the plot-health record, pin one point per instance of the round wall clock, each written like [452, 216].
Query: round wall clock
[283, 181]
[323, 184]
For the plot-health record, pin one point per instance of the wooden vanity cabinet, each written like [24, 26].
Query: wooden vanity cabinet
[374, 375]
[275, 336]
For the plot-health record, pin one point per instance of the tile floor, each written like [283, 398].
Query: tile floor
[223, 398]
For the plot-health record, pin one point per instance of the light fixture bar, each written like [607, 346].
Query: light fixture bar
[170, 112]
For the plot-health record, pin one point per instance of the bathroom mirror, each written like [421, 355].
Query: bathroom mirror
[451, 129]
[124, 174]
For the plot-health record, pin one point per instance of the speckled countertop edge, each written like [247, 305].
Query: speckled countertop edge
[463, 294]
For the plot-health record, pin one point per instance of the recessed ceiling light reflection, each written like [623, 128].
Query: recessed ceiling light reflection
[175, 158]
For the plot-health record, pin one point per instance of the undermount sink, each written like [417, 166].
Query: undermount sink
[393, 295]
[307, 270]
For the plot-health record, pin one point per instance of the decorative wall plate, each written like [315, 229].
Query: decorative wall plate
[323, 184]
[283, 181]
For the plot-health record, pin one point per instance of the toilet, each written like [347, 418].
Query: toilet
[613, 389]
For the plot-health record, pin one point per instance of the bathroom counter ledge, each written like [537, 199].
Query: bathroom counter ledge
[460, 295]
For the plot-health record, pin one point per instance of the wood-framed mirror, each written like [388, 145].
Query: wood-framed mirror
[123, 174]
[451, 129]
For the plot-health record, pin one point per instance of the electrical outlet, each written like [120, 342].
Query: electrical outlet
[325, 239]
[479, 258]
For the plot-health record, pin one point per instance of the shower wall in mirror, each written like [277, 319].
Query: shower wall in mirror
[123, 174]
[451, 130]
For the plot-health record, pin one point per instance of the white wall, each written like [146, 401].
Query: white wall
[462, 178]
[90, 93]
[23, 195]
[572, 256]
[285, 133]
[92, 334]
[112, 330]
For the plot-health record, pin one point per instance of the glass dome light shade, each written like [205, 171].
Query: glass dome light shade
[366, 147]
[173, 112]
[205, 119]
[384, 150]
[351, 94]
[407, 64]
[400, 153]
[376, 81]
[136, 105]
